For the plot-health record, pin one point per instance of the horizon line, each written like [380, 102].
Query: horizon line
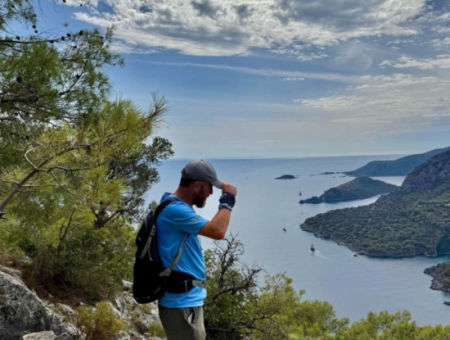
[297, 157]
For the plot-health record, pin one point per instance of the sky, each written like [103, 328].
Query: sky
[281, 78]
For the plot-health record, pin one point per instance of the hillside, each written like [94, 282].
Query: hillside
[414, 220]
[398, 167]
[357, 189]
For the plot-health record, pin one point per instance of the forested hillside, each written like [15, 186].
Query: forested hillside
[414, 220]
[357, 189]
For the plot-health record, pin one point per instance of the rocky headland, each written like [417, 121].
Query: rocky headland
[411, 221]
[357, 189]
[441, 276]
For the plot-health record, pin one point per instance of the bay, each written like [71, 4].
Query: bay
[353, 285]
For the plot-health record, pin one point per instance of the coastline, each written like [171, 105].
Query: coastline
[304, 227]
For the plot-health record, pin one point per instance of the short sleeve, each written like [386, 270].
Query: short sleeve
[182, 217]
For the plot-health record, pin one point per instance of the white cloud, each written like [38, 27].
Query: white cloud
[387, 99]
[440, 43]
[234, 27]
[119, 46]
[267, 72]
[292, 79]
[441, 61]
[77, 3]
[394, 80]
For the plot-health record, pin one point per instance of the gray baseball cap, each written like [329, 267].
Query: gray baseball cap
[200, 170]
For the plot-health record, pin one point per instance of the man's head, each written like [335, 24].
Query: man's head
[197, 179]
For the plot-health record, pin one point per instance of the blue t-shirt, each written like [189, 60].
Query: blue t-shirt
[175, 221]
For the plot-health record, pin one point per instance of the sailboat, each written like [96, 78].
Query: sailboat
[312, 248]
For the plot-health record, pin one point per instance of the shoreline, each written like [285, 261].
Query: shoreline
[362, 252]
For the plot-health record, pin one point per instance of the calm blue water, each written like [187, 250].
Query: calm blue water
[353, 285]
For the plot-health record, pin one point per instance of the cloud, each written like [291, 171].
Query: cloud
[236, 27]
[441, 61]
[398, 80]
[386, 99]
[205, 8]
[292, 79]
[265, 72]
[122, 47]
[78, 3]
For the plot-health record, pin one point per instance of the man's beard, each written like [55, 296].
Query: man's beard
[199, 203]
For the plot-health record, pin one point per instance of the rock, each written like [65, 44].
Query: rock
[13, 272]
[122, 336]
[23, 315]
[21, 312]
[127, 285]
[286, 177]
[40, 336]
[117, 314]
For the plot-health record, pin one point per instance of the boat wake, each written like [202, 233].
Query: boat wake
[319, 254]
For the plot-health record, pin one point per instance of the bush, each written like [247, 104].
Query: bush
[156, 329]
[89, 264]
[99, 323]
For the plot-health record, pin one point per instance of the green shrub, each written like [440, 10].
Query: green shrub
[156, 329]
[99, 323]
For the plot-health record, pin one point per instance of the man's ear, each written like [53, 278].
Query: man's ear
[197, 186]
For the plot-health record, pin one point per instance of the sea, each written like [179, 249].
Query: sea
[353, 285]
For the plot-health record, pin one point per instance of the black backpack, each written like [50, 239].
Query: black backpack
[150, 279]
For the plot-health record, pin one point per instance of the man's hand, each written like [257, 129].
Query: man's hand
[227, 187]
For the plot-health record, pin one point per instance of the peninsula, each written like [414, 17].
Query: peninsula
[441, 276]
[399, 167]
[413, 220]
[357, 189]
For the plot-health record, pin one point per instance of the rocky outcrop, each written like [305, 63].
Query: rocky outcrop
[40, 336]
[23, 315]
[441, 277]
[22, 312]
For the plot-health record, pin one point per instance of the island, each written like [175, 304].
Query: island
[357, 189]
[411, 221]
[329, 173]
[441, 276]
[286, 177]
[399, 167]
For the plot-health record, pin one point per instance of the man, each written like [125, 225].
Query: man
[182, 314]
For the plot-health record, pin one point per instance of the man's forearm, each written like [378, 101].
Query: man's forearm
[221, 221]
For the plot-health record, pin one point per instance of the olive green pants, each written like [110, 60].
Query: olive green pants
[183, 323]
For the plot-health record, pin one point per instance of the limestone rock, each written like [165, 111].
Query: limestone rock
[40, 336]
[21, 312]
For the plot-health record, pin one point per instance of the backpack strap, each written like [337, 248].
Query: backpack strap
[158, 210]
[167, 271]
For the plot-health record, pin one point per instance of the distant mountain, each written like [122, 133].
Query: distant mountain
[357, 189]
[413, 220]
[398, 167]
